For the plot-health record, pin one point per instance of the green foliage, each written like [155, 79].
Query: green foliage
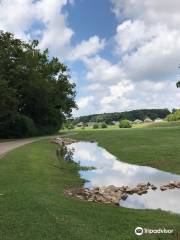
[95, 126]
[70, 126]
[32, 86]
[174, 116]
[99, 118]
[24, 126]
[170, 117]
[130, 115]
[104, 125]
[125, 124]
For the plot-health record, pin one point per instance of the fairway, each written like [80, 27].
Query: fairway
[33, 205]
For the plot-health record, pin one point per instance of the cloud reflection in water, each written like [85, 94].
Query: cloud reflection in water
[110, 171]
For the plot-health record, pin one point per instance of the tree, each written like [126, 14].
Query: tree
[104, 125]
[36, 87]
[8, 108]
[95, 126]
[99, 118]
[125, 124]
[174, 116]
[108, 118]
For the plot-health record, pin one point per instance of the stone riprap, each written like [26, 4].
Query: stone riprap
[63, 141]
[109, 194]
[170, 185]
[113, 195]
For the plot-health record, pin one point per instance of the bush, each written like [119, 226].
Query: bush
[70, 126]
[125, 124]
[104, 125]
[95, 126]
[24, 127]
[174, 116]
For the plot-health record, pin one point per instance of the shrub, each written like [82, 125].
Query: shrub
[95, 126]
[174, 116]
[24, 126]
[70, 126]
[104, 125]
[125, 124]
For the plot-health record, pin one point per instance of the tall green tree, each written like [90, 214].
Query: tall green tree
[34, 89]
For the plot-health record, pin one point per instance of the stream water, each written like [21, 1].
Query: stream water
[110, 171]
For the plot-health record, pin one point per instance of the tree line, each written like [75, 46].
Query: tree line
[36, 94]
[108, 118]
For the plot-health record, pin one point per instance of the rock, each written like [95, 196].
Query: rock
[173, 184]
[90, 199]
[110, 194]
[62, 141]
[115, 200]
[153, 187]
[124, 187]
[140, 185]
[124, 196]
[118, 195]
[163, 188]
[142, 192]
[129, 190]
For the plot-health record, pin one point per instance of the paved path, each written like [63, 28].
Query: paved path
[10, 145]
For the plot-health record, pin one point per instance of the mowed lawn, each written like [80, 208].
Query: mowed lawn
[157, 147]
[33, 205]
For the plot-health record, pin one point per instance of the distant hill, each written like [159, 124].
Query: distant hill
[130, 115]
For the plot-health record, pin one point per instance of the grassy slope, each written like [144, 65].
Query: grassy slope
[34, 207]
[157, 147]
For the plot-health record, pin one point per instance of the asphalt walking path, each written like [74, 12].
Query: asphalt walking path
[9, 145]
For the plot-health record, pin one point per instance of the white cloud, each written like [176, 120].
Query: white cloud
[101, 70]
[118, 91]
[148, 41]
[18, 17]
[83, 102]
[156, 59]
[131, 35]
[56, 36]
[87, 48]
[151, 11]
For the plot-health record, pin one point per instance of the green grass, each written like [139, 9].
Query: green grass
[166, 124]
[34, 207]
[157, 147]
[116, 127]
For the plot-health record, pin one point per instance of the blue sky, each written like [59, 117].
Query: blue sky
[122, 54]
[88, 18]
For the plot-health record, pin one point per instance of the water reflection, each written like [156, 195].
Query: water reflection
[110, 171]
[64, 152]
